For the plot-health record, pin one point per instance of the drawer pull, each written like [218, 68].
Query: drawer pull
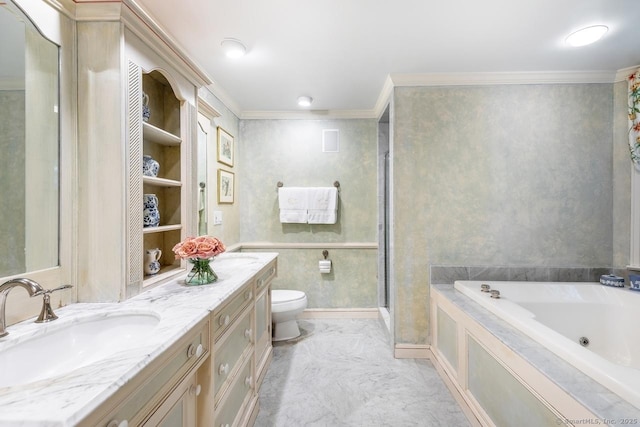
[195, 351]
[224, 321]
[116, 423]
[248, 381]
[247, 334]
[248, 295]
[224, 425]
[223, 369]
[195, 390]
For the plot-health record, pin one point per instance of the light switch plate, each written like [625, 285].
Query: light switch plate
[217, 217]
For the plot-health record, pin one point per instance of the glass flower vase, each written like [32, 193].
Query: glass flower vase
[201, 273]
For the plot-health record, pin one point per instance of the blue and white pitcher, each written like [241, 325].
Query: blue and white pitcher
[152, 261]
[151, 215]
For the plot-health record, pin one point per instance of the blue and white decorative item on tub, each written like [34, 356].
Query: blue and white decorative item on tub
[612, 280]
[152, 261]
[634, 281]
[150, 167]
[151, 215]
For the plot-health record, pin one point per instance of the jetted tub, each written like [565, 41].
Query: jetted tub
[591, 326]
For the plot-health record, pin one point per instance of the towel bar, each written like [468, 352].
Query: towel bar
[335, 184]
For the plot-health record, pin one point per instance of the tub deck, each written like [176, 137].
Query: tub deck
[601, 402]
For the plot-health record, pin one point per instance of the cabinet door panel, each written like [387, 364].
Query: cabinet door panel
[228, 353]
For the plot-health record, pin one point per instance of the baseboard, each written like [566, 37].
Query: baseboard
[339, 313]
[455, 392]
[411, 351]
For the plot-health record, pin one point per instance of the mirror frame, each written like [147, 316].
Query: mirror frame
[56, 24]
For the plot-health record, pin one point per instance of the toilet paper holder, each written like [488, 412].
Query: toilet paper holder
[325, 254]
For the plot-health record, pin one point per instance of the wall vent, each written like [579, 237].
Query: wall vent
[330, 140]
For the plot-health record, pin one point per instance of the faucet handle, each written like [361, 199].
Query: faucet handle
[47, 314]
[49, 291]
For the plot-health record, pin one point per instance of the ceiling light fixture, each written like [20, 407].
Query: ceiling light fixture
[305, 101]
[587, 35]
[233, 48]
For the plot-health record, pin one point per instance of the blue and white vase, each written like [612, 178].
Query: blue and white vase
[150, 167]
[146, 112]
[151, 215]
[152, 261]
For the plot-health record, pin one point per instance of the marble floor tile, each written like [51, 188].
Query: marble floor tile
[341, 372]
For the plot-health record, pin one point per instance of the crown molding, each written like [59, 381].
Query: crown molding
[308, 115]
[384, 97]
[144, 26]
[217, 91]
[207, 109]
[445, 79]
[502, 78]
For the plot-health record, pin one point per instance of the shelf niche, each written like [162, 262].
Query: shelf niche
[162, 141]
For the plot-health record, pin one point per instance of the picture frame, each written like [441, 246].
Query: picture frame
[225, 147]
[226, 187]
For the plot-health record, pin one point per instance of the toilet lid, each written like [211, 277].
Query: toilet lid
[281, 295]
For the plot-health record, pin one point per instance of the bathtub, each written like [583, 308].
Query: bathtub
[563, 317]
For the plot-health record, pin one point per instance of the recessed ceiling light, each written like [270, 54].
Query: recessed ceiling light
[233, 48]
[305, 101]
[587, 35]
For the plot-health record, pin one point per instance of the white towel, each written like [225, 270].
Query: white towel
[293, 203]
[323, 205]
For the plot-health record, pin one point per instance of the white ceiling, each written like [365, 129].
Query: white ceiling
[340, 51]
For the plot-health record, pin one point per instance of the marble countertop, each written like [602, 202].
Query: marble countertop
[64, 400]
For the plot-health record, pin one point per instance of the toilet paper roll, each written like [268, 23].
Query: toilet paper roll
[324, 266]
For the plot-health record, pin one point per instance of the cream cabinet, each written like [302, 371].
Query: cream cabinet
[165, 392]
[241, 336]
[123, 58]
[263, 322]
[179, 408]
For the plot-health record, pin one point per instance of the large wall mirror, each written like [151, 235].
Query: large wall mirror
[29, 145]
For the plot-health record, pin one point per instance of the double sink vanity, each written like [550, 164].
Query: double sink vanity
[173, 355]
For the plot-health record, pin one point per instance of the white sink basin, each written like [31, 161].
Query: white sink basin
[234, 260]
[62, 348]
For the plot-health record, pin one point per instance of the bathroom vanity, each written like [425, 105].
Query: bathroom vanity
[201, 357]
[140, 349]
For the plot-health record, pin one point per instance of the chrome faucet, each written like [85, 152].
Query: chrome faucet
[47, 314]
[31, 287]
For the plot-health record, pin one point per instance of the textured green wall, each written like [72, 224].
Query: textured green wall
[621, 178]
[291, 151]
[229, 230]
[497, 175]
[351, 283]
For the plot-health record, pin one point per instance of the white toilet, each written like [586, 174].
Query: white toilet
[285, 306]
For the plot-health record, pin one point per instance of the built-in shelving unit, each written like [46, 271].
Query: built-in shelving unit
[162, 141]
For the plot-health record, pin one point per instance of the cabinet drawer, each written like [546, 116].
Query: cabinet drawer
[161, 377]
[266, 276]
[224, 317]
[229, 352]
[235, 402]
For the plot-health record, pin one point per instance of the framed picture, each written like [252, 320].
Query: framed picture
[225, 147]
[225, 186]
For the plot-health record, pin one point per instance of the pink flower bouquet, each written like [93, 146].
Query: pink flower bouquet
[201, 247]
